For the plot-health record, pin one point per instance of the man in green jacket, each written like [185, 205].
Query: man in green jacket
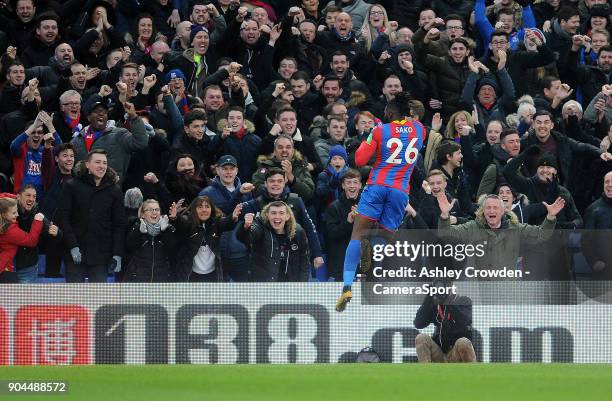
[499, 231]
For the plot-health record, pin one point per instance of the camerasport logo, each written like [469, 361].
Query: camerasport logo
[52, 335]
[4, 338]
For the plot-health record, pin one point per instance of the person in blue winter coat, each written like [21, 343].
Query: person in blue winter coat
[506, 22]
[226, 191]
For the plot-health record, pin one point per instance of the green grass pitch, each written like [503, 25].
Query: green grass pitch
[342, 382]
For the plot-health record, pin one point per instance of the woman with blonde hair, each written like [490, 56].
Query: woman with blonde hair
[377, 23]
[12, 237]
[279, 246]
[459, 123]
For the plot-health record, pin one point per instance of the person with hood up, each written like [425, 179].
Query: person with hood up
[403, 66]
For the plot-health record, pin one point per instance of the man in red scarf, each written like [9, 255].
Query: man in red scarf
[68, 122]
[236, 138]
[491, 99]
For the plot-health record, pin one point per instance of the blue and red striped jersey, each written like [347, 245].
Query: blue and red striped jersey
[397, 146]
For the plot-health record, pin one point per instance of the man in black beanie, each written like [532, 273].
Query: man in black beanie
[548, 260]
[197, 62]
[544, 186]
[566, 150]
[484, 93]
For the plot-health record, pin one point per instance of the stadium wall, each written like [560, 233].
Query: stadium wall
[267, 323]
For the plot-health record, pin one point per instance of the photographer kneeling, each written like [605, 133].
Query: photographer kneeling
[452, 316]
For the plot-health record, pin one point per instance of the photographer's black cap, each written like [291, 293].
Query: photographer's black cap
[227, 159]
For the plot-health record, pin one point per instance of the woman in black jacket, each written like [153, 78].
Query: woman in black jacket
[150, 244]
[141, 38]
[184, 180]
[279, 246]
[199, 229]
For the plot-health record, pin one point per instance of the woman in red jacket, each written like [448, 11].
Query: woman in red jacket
[12, 237]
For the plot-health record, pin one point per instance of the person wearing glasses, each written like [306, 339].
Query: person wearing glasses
[483, 93]
[68, 120]
[454, 28]
[506, 22]
[149, 245]
[377, 23]
[518, 62]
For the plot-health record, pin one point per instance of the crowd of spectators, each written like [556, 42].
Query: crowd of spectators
[194, 140]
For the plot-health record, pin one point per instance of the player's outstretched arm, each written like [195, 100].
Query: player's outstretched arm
[367, 149]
